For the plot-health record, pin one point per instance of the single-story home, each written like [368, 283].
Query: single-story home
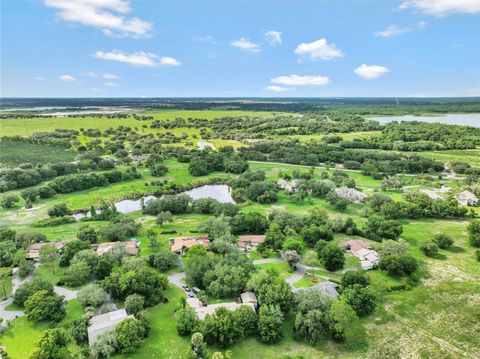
[432, 194]
[327, 288]
[351, 194]
[104, 323]
[250, 241]
[289, 186]
[362, 250]
[131, 247]
[33, 250]
[180, 244]
[467, 198]
[203, 310]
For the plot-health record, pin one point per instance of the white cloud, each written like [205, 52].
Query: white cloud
[138, 58]
[371, 72]
[443, 7]
[393, 30]
[276, 88]
[245, 44]
[40, 78]
[101, 76]
[296, 80]
[67, 78]
[319, 50]
[207, 39]
[95, 89]
[274, 38]
[106, 15]
[169, 61]
[111, 84]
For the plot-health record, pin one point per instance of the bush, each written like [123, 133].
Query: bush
[87, 234]
[186, 320]
[9, 201]
[429, 248]
[474, 233]
[129, 335]
[351, 278]
[29, 287]
[59, 210]
[398, 265]
[443, 241]
[332, 257]
[361, 299]
[77, 274]
[270, 324]
[91, 296]
[105, 346]
[163, 260]
[134, 303]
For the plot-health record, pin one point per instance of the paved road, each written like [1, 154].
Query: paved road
[267, 260]
[177, 279]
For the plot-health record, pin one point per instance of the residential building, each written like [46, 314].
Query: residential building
[249, 242]
[202, 311]
[180, 245]
[33, 250]
[351, 194]
[467, 198]
[289, 186]
[131, 247]
[369, 258]
[327, 288]
[104, 323]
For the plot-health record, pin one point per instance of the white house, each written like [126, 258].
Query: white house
[467, 198]
[351, 194]
[104, 323]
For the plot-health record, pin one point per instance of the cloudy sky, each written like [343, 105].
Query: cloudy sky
[113, 48]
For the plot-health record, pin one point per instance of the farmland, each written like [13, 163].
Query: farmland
[431, 312]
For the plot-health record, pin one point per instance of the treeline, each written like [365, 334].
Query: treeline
[373, 163]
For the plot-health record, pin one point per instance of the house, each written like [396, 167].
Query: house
[369, 258]
[467, 198]
[179, 245]
[351, 194]
[203, 310]
[432, 194]
[249, 242]
[33, 250]
[131, 247]
[289, 186]
[327, 288]
[104, 323]
[249, 297]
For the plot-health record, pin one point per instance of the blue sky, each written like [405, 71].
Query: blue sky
[113, 48]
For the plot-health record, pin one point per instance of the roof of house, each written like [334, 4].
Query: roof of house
[290, 186]
[432, 194]
[249, 297]
[177, 244]
[327, 288]
[245, 241]
[357, 244]
[130, 247]
[33, 250]
[203, 311]
[467, 195]
[103, 323]
[351, 194]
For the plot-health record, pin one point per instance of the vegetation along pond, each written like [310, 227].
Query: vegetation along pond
[470, 119]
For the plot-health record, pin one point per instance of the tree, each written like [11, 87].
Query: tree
[152, 238]
[227, 280]
[343, 320]
[134, 303]
[274, 236]
[5, 279]
[158, 169]
[52, 345]
[7, 253]
[198, 348]
[69, 251]
[292, 258]
[9, 201]
[443, 241]
[77, 274]
[474, 233]
[91, 296]
[43, 305]
[88, 256]
[216, 227]
[197, 266]
[361, 299]
[332, 257]
[222, 328]
[398, 265]
[25, 267]
[186, 320]
[271, 290]
[121, 228]
[312, 322]
[294, 244]
[429, 248]
[270, 324]
[49, 254]
[59, 210]
[79, 329]
[105, 346]
[129, 335]
[164, 217]
[103, 267]
[378, 228]
[247, 318]
[7, 234]
[26, 289]
[87, 234]
[355, 277]
[163, 260]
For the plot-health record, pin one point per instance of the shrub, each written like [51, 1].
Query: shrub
[443, 241]
[59, 210]
[270, 324]
[134, 303]
[429, 248]
[91, 296]
[186, 320]
[129, 335]
[29, 287]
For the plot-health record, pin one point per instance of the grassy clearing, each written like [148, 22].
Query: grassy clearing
[469, 156]
[13, 153]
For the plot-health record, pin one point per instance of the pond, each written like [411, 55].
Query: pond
[220, 192]
[471, 119]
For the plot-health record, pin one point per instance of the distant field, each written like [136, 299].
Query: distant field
[13, 153]
[470, 156]
[27, 126]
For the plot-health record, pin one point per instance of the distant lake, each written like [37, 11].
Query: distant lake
[470, 119]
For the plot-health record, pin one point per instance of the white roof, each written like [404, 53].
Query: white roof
[202, 312]
[104, 323]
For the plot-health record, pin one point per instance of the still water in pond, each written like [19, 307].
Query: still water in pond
[222, 193]
[470, 119]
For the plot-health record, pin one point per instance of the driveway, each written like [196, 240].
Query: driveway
[177, 279]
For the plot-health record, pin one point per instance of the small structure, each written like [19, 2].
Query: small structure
[327, 288]
[369, 258]
[33, 250]
[467, 198]
[249, 297]
[179, 245]
[351, 194]
[432, 194]
[289, 186]
[249, 242]
[202, 311]
[131, 247]
[104, 323]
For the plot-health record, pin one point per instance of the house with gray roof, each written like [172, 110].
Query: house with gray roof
[467, 198]
[327, 288]
[351, 194]
[104, 323]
